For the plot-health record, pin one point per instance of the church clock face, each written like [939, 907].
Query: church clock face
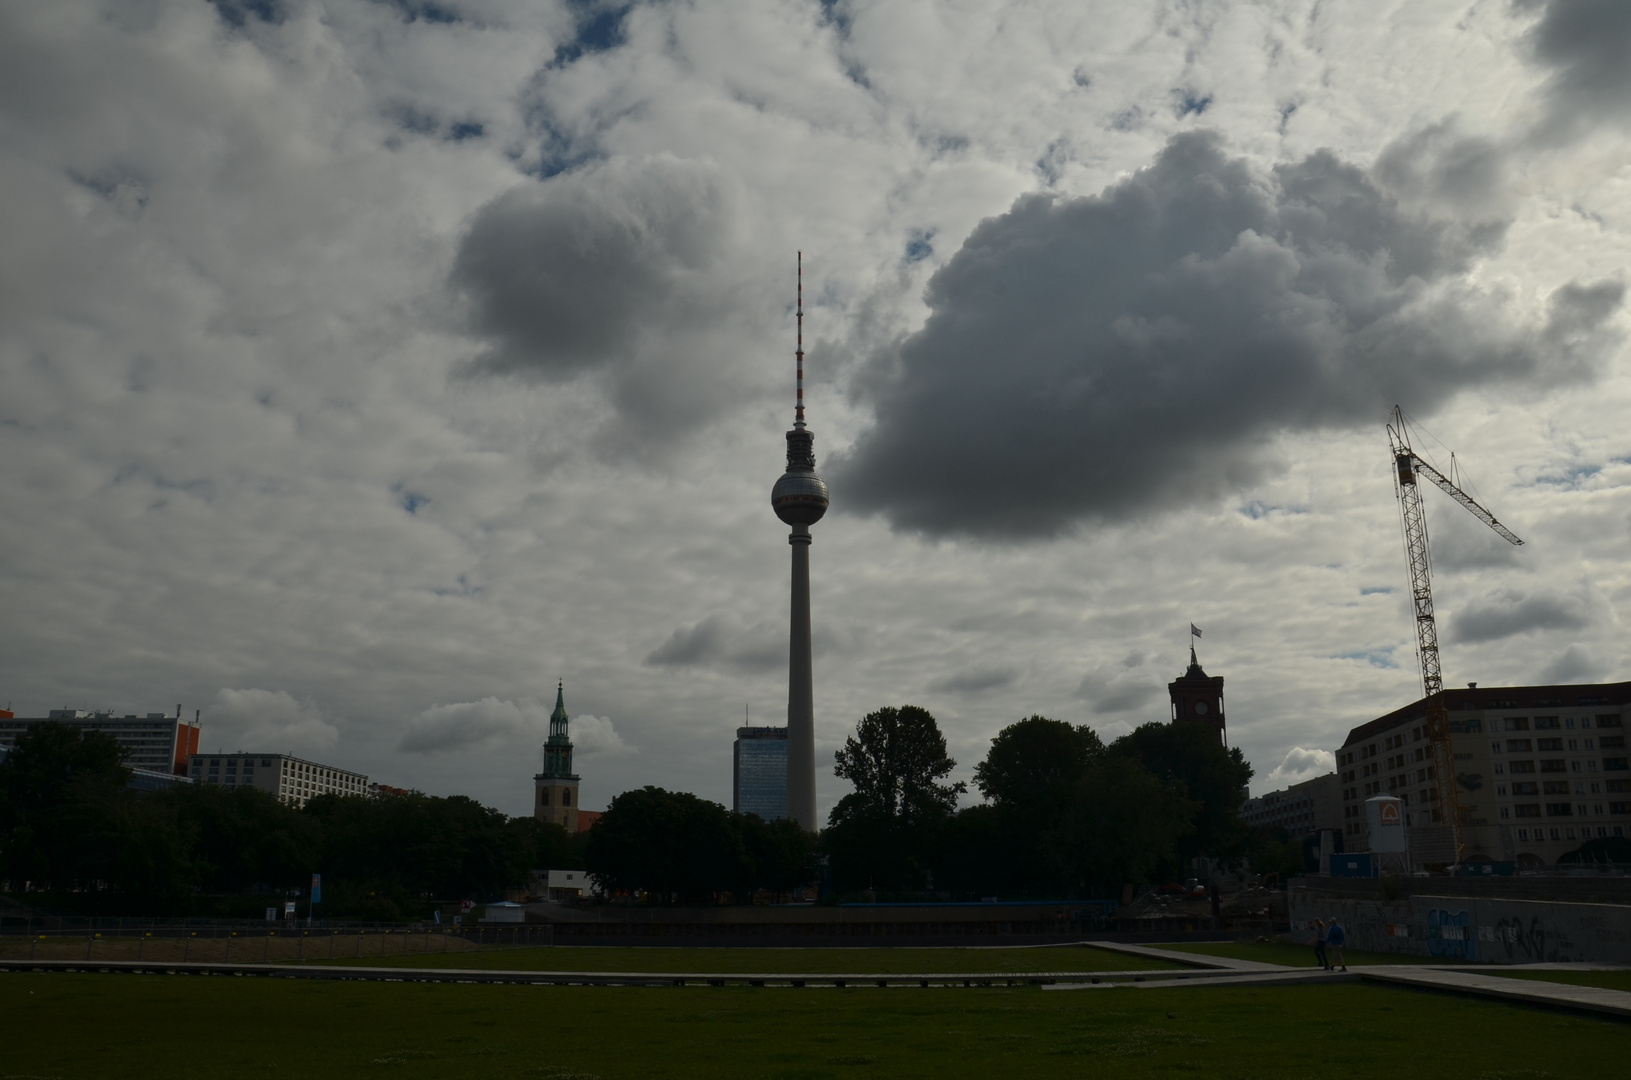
[1200, 708]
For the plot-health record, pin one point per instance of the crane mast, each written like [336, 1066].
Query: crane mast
[1408, 468]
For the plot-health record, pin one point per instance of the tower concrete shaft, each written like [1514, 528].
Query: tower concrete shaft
[801, 794]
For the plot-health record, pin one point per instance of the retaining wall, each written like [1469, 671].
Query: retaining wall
[1484, 929]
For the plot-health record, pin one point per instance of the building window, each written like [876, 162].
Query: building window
[1523, 834]
[1546, 723]
[1504, 813]
[1555, 835]
[1517, 723]
[1530, 810]
[1559, 809]
[566, 797]
[1616, 764]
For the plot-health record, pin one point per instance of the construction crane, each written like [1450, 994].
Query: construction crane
[1408, 466]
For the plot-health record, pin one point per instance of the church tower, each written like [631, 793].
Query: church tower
[1197, 698]
[556, 798]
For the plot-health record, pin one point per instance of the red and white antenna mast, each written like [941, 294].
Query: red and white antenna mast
[798, 413]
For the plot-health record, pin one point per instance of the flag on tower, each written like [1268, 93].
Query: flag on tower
[1194, 631]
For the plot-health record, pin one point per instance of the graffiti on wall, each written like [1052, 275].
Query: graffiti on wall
[1449, 934]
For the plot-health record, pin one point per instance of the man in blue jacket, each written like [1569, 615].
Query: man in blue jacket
[1335, 937]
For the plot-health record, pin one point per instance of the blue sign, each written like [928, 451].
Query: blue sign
[317, 888]
[1359, 865]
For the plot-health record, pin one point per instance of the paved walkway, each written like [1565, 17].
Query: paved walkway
[1202, 960]
[1208, 971]
[1595, 999]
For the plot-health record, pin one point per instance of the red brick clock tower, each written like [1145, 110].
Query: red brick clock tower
[1197, 698]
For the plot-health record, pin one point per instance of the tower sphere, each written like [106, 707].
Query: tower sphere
[799, 498]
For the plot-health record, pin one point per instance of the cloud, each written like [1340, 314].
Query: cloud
[624, 271]
[1586, 44]
[1299, 764]
[723, 641]
[492, 722]
[1512, 612]
[269, 720]
[1119, 691]
[593, 735]
[1575, 664]
[976, 681]
[720, 641]
[1105, 357]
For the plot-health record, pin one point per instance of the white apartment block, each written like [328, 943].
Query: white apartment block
[1539, 770]
[294, 781]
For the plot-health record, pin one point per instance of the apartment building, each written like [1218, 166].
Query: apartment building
[1539, 770]
[294, 781]
[156, 741]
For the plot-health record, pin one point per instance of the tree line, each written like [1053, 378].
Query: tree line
[72, 831]
[1064, 815]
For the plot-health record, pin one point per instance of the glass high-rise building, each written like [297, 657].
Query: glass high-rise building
[759, 772]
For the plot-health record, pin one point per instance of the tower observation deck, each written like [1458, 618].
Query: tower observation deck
[799, 500]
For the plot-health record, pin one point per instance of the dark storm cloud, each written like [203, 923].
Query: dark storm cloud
[622, 271]
[1102, 357]
[1513, 612]
[1587, 44]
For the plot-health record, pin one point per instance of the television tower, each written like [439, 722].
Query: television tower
[800, 499]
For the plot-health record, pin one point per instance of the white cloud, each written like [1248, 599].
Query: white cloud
[268, 720]
[491, 723]
[1299, 764]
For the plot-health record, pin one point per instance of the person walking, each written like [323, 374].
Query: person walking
[1336, 937]
[1319, 944]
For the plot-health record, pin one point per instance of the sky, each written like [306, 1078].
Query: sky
[368, 366]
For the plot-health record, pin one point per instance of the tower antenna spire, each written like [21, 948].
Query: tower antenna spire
[798, 412]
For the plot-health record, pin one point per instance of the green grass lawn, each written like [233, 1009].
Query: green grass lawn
[157, 1026]
[819, 961]
[1611, 980]
[1280, 952]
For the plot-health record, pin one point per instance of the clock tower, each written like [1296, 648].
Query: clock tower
[1197, 698]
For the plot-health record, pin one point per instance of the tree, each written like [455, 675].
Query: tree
[549, 845]
[895, 761]
[884, 832]
[781, 855]
[1031, 775]
[1190, 762]
[1036, 763]
[1123, 823]
[670, 844]
[60, 791]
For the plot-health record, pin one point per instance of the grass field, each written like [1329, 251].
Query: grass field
[155, 1026]
[1278, 952]
[1611, 980]
[820, 961]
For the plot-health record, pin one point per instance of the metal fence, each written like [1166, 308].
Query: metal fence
[249, 942]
